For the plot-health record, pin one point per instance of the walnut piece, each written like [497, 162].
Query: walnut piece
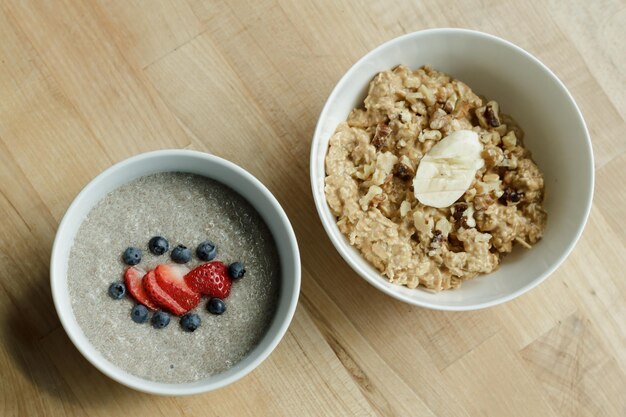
[488, 115]
[380, 136]
[372, 192]
[404, 168]
[509, 140]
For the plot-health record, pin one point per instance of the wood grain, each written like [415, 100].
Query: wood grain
[85, 84]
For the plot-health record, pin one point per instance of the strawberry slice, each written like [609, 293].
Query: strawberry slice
[170, 278]
[210, 279]
[160, 297]
[132, 278]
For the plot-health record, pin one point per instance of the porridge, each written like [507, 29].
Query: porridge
[176, 327]
[432, 183]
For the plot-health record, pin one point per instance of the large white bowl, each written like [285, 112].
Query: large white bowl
[197, 163]
[555, 133]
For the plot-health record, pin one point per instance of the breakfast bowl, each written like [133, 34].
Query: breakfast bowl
[555, 134]
[189, 168]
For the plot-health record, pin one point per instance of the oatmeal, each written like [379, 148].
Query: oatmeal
[371, 167]
[187, 209]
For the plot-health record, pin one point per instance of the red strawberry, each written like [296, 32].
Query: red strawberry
[132, 278]
[210, 279]
[160, 297]
[170, 279]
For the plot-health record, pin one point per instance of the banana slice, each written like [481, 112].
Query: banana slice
[447, 170]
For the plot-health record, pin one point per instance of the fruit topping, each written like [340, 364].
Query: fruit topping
[210, 279]
[448, 169]
[117, 290]
[216, 306]
[160, 297]
[139, 313]
[190, 322]
[158, 245]
[170, 277]
[206, 251]
[160, 319]
[131, 256]
[133, 278]
[236, 270]
[181, 254]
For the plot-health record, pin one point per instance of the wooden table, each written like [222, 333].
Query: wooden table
[84, 84]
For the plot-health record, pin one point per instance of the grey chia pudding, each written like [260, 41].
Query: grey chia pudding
[185, 209]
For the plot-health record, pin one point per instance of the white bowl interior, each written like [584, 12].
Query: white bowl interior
[197, 163]
[555, 133]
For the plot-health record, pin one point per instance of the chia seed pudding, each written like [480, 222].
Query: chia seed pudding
[187, 209]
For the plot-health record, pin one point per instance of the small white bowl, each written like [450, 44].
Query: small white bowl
[556, 134]
[197, 163]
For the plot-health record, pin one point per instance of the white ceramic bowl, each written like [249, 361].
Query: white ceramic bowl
[209, 166]
[555, 133]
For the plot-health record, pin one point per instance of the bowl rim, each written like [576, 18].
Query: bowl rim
[379, 281]
[161, 388]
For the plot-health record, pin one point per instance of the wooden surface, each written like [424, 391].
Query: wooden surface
[84, 84]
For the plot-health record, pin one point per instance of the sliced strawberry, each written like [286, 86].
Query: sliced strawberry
[170, 278]
[132, 278]
[210, 279]
[160, 297]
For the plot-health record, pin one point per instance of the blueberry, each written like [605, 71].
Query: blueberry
[160, 319]
[216, 306]
[139, 313]
[117, 290]
[206, 251]
[190, 322]
[236, 270]
[158, 245]
[132, 256]
[181, 254]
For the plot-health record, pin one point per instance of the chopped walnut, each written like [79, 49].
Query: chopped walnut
[423, 225]
[368, 198]
[461, 110]
[414, 98]
[427, 134]
[444, 226]
[508, 162]
[365, 171]
[468, 216]
[481, 202]
[490, 183]
[405, 207]
[491, 114]
[384, 167]
[404, 169]
[492, 156]
[490, 137]
[438, 119]
[405, 116]
[429, 97]
[509, 140]
[380, 136]
[488, 116]
[470, 194]
[450, 103]
[419, 108]
[502, 129]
